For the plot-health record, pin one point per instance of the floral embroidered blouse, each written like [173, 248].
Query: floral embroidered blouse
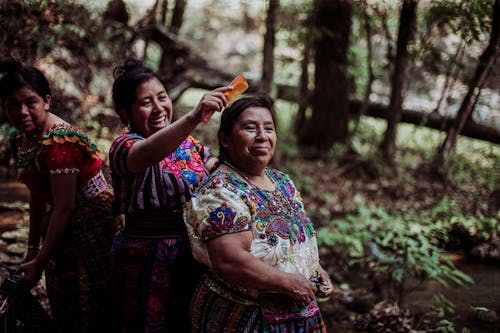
[166, 185]
[283, 235]
[64, 150]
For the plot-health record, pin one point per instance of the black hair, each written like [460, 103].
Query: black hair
[16, 77]
[232, 113]
[128, 78]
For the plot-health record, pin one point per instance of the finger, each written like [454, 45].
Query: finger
[216, 98]
[220, 97]
[224, 89]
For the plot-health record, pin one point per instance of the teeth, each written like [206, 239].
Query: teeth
[159, 121]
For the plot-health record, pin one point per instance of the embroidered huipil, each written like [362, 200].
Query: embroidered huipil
[64, 150]
[78, 278]
[283, 236]
[165, 185]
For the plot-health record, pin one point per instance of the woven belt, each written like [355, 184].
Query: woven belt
[157, 224]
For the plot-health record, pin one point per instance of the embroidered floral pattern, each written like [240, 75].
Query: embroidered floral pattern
[220, 220]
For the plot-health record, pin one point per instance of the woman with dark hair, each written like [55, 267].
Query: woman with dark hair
[70, 204]
[154, 167]
[247, 224]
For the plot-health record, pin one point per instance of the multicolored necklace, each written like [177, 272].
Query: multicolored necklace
[265, 194]
[28, 146]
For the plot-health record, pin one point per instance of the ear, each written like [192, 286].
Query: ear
[48, 101]
[124, 115]
[223, 140]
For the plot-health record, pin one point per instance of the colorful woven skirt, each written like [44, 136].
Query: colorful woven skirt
[216, 308]
[153, 282]
[78, 276]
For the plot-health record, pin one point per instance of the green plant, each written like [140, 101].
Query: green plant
[392, 246]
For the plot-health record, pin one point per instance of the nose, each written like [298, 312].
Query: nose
[23, 109]
[261, 133]
[157, 105]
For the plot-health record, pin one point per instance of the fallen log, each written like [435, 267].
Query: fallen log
[431, 120]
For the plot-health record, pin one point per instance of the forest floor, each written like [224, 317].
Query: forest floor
[333, 193]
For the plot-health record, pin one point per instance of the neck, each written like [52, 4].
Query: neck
[258, 178]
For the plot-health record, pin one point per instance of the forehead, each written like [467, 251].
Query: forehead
[256, 114]
[23, 93]
[151, 86]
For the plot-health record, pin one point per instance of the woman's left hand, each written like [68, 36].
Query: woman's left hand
[32, 273]
[325, 284]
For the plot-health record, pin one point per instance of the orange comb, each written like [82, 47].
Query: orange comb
[240, 85]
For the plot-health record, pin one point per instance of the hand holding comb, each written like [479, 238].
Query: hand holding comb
[239, 85]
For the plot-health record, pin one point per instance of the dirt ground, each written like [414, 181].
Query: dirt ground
[339, 316]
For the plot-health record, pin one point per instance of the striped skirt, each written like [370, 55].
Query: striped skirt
[153, 282]
[215, 308]
[78, 276]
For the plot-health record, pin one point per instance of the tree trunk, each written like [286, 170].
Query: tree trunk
[451, 75]
[164, 9]
[269, 41]
[371, 76]
[304, 93]
[328, 124]
[486, 63]
[177, 16]
[398, 77]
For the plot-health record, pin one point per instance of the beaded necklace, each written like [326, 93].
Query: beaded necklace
[27, 147]
[276, 208]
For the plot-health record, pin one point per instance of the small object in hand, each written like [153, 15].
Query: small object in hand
[240, 85]
[324, 288]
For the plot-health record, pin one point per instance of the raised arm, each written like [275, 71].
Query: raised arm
[154, 148]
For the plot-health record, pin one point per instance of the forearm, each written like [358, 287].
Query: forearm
[58, 225]
[157, 146]
[37, 209]
[244, 269]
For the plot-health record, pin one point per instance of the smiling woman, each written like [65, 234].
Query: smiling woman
[155, 166]
[248, 225]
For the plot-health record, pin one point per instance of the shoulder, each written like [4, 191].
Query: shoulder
[64, 133]
[285, 182]
[125, 140]
[223, 180]
[278, 176]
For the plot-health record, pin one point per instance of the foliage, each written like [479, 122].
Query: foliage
[32, 28]
[467, 19]
[393, 246]
[441, 317]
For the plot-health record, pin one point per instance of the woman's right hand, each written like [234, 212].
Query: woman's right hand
[211, 102]
[300, 289]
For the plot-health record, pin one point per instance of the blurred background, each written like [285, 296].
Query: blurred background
[389, 124]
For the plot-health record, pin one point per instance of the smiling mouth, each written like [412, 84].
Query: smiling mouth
[158, 121]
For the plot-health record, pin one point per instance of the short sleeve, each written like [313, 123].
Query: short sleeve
[118, 153]
[64, 158]
[214, 212]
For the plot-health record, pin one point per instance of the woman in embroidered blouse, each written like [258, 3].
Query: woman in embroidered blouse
[247, 223]
[154, 168]
[70, 204]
